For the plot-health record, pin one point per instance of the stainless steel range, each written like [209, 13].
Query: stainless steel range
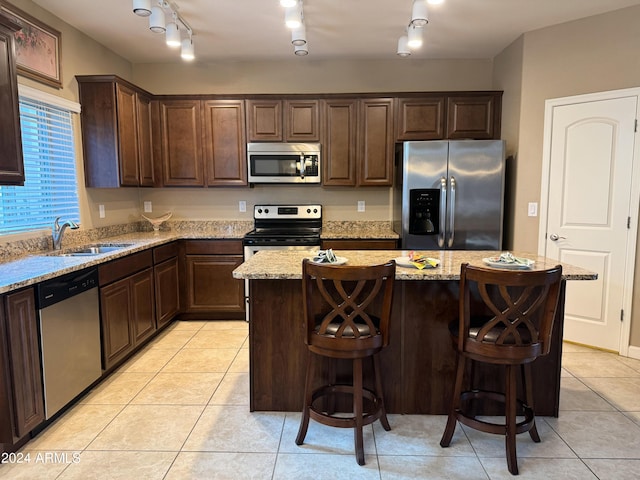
[282, 227]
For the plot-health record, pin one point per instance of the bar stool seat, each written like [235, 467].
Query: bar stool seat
[505, 318]
[347, 311]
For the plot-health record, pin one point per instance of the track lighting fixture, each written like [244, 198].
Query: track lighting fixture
[156, 20]
[288, 3]
[142, 7]
[174, 29]
[301, 50]
[299, 36]
[419, 16]
[187, 52]
[414, 35]
[293, 16]
[403, 47]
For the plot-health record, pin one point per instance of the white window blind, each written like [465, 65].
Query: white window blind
[50, 189]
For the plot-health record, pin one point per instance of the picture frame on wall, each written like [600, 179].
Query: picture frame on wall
[37, 46]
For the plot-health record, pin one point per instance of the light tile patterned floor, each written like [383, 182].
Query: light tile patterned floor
[179, 410]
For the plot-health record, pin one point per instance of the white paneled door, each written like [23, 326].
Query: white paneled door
[590, 151]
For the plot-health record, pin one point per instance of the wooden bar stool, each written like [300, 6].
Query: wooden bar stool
[505, 318]
[347, 310]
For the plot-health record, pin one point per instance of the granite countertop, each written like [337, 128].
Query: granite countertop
[286, 265]
[358, 230]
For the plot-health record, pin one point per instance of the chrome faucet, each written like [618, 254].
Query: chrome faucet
[58, 231]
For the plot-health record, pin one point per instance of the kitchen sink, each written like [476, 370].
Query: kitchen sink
[91, 250]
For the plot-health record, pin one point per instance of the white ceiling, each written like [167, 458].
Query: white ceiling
[242, 30]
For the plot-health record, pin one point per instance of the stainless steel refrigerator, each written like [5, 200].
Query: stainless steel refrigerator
[449, 194]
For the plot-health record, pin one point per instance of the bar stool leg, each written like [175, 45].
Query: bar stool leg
[510, 414]
[358, 409]
[383, 409]
[308, 398]
[528, 387]
[455, 404]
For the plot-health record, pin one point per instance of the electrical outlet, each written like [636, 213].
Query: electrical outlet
[533, 209]
[361, 207]
[242, 206]
[148, 207]
[101, 211]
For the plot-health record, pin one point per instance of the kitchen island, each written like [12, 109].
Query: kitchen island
[419, 364]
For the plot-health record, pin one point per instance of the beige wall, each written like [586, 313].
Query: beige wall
[593, 54]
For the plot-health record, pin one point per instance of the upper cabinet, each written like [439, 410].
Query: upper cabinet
[358, 142]
[181, 143]
[225, 145]
[116, 133]
[289, 120]
[472, 115]
[11, 162]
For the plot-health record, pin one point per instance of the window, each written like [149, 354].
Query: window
[50, 188]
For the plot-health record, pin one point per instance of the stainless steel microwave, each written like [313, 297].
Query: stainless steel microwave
[284, 162]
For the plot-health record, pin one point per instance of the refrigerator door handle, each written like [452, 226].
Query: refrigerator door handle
[443, 211]
[452, 212]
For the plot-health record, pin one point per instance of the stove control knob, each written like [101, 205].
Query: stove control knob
[259, 210]
[266, 210]
[315, 210]
[308, 210]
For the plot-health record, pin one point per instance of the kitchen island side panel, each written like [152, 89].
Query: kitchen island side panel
[418, 367]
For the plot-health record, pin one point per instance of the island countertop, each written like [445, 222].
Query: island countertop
[286, 264]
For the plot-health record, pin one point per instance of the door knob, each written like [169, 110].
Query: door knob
[555, 237]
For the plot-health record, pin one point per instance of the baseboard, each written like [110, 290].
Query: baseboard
[634, 352]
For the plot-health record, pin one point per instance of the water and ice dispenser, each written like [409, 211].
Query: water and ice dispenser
[424, 213]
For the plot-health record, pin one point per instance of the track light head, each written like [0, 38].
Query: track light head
[403, 47]
[156, 20]
[419, 15]
[187, 52]
[142, 7]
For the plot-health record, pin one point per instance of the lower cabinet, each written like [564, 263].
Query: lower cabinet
[127, 307]
[210, 289]
[167, 283]
[21, 392]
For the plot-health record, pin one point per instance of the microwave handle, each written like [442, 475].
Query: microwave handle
[303, 166]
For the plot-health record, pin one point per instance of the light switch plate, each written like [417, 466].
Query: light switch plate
[361, 207]
[533, 209]
[101, 211]
[148, 207]
[242, 206]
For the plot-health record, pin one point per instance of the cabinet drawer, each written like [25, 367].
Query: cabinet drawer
[123, 267]
[213, 247]
[164, 252]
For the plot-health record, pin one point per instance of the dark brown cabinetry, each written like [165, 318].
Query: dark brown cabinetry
[127, 307]
[360, 244]
[167, 283]
[210, 289]
[21, 393]
[181, 137]
[472, 115]
[358, 142]
[11, 162]
[116, 133]
[225, 145]
[420, 118]
[276, 120]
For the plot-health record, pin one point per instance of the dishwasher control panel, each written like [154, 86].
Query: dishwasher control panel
[66, 286]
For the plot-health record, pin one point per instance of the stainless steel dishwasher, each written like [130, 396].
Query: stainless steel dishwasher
[69, 320]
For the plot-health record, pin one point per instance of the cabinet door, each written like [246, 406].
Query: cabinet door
[375, 163]
[24, 361]
[167, 291]
[181, 143]
[225, 146]
[339, 142]
[474, 116]
[301, 121]
[264, 119]
[127, 135]
[11, 163]
[145, 141]
[143, 314]
[211, 287]
[117, 325]
[420, 118]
